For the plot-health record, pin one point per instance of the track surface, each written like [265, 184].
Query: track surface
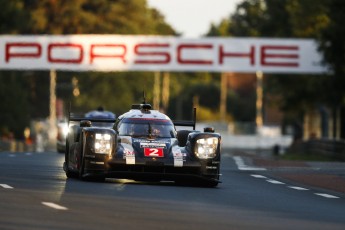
[255, 194]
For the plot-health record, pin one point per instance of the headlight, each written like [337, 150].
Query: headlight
[65, 130]
[206, 148]
[103, 143]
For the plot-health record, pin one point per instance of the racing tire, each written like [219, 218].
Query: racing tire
[87, 177]
[81, 168]
[69, 173]
[82, 175]
[81, 165]
[210, 183]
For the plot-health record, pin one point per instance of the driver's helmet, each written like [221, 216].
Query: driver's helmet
[157, 130]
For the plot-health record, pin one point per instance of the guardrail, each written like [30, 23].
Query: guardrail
[334, 149]
[22, 146]
[16, 146]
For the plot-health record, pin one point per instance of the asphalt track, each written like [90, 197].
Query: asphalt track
[35, 194]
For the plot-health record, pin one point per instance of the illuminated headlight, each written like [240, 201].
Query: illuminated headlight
[206, 148]
[65, 130]
[103, 143]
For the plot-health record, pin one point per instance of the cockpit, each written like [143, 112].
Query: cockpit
[137, 127]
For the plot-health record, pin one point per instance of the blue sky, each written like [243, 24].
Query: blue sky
[192, 18]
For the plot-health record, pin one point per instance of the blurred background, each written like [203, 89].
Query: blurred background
[300, 107]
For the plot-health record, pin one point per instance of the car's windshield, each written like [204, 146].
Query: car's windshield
[146, 128]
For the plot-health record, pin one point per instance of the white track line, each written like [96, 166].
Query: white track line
[298, 188]
[326, 195]
[274, 181]
[258, 176]
[6, 186]
[55, 206]
[268, 180]
[294, 187]
[242, 166]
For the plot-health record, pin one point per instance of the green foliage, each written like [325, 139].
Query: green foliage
[308, 17]
[209, 114]
[316, 19]
[221, 30]
[190, 90]
[303, 156]
[332, 45]
[14, 104]
[241, 106]
[248, 19]
[93, 17]
[115, 91]
[12, 16]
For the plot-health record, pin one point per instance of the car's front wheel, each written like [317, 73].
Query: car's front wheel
[69, 173]
[81, 163]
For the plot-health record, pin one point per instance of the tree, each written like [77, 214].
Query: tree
[332, 45]
[285, 19]
[14, 103]
[248, 19]
[115, 90]
[12, 16]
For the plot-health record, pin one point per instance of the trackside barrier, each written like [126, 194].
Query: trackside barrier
[16, 146]
[328, 147]
[255, 141]
[334, 149]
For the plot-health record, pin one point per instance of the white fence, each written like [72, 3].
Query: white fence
[255, 141]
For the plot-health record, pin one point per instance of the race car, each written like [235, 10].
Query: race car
[142, 145]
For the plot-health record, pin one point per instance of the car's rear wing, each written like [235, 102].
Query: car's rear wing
[187, 123]
[108, 120]
[80, 117]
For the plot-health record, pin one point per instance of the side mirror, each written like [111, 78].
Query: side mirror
[209, 130]
[85, 123]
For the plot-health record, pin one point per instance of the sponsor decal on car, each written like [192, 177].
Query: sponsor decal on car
[153, 152]
[130, 157]
[178, 158]
[152, 145]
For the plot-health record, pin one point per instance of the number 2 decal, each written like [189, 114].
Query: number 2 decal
[153, 152]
